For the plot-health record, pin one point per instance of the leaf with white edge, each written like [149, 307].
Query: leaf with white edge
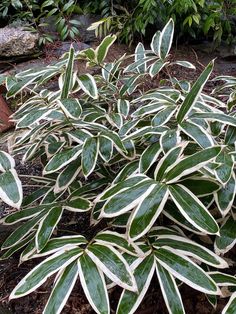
[194, 93]
[230, 307]
[197, 133]
[166, 39]
[191, 163]
[23, 214]
[68, 78]
[93, 284]
[169, 139]
[62, 159]
[224, 198]
[222, 279]
[67, 176]
[225, 169]
[146, 213]
[102, 50]
[57, 244]
[227, 238]
[6, 161]
[22, 231]
[128, 170]
[230, 135]
[121, 186]
[214, 116]
[155, 44]
[126, 200]
[169, 290]
[88, 85]
[79, 135]
[113, 264]
[172, 212]
[115, 138]
[193, 209]
[190, 248]
[143, 273]
[35, 196]
[39, 274]
[118, 240]
[62, 289]
[17, 247]
[201, 186]
[156, 67]
[149, 157]
[123, 106]
[105, 148]
[163, 116]
[167, 160]
[140, 55]
[32, 117]
[47, 226]
[184, 64]
[89, 155]
[185, 270]
[70, 107]
[11, 188]
[78, 204]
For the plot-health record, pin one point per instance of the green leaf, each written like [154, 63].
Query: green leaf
[130, 301]
[46, 227]
[125, 200]
[147, 212]
[149, 156]
[224, 171]
[78, 204]
[163, 116]
[190, 248]
[32, 117]
[155, 44]
[223, 279]
[227, 238]
[62, 159]
[201, 186]
[194, 93]
[67, 176]
[6, 161]
[68, 78]
[170, 291]
[94, 285]
[17, 235]
[169, 139]
[118, 240]
[123, 106]
[185, 270]
[39, 274]
[168, 160]
[105, 148]
[191, 163]
[213, 116]
[197, 133]
[11, 188]
[70, 107]
[113, 264]
[62, 289]
[225, 196]
[193, 209]
[89, 155]
[166, 39]
[102, 50]
[88, 85]
[230, 307]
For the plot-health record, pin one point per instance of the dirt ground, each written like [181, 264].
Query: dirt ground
[153, 303]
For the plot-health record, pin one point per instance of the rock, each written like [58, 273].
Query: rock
[65, 47]
[17, 42]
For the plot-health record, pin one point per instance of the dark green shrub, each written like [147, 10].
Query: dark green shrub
[156, 166]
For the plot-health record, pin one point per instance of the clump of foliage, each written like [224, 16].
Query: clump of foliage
[154, 168]
[33, 12]
[196, 19]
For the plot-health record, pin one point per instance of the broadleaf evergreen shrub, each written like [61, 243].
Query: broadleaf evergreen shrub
[155, 166]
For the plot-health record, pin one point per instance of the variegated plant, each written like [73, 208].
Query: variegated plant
[157, 166]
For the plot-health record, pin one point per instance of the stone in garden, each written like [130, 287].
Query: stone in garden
[17, 42]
